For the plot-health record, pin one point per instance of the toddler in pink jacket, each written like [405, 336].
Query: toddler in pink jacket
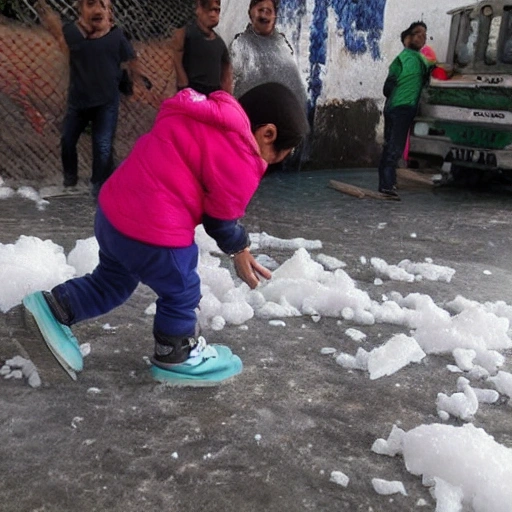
[201, 163]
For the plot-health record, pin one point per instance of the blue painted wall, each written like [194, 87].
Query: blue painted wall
[362, 23]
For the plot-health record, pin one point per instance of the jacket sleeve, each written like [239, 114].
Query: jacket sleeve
[230, 235]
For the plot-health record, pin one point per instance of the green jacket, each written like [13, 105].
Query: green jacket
[408, 73]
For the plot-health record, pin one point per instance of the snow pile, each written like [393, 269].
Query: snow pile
[466, 466]
[28, 266]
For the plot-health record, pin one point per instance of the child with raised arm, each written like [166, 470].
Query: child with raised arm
[201, 163]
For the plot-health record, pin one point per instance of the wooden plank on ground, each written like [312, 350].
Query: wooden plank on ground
[358, 192]
[407, 177]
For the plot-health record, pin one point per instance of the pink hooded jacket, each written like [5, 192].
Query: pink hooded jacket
[199, 157]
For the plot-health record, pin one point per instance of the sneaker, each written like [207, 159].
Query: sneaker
[214, 365]
[391, 194]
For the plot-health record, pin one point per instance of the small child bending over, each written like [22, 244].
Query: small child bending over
[201, 163]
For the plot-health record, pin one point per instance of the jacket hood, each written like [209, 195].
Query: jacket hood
[220, 109]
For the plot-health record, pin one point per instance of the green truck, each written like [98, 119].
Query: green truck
[464, 124]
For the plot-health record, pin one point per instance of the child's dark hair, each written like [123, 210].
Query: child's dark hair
[408, 31]
[274, 103]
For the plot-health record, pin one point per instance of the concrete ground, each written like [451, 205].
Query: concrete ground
[269, 440]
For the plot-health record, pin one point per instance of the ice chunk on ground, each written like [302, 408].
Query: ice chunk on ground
[236, 312]
[428, 271]
[471, 329]
[84, 256]
[268, 241]
[359, 362]
[392, 271]
[484, 396]
[503, 383]
[464, 358]
[398, 352]
[462, 405]
[448, 497]
[329, 262]
[392, 445]
[387, 487]
[29, 265]
[339, 478]
[465, 457]
[19, 367]
[491, 360]
[355, 334]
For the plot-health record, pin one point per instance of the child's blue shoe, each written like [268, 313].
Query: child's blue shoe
[58, 337]
[208, 366]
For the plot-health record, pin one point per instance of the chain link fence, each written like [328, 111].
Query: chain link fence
[34, 79]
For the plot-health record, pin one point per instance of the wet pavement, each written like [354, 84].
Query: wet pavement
[269, 440]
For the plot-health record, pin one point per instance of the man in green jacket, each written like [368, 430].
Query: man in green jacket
[408, 73]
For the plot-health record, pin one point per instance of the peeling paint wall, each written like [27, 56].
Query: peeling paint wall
[343, 49]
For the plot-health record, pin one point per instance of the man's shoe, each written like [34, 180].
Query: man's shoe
[70, 180]
[391, 194]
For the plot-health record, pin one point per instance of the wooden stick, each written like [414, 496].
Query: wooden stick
[358, 192]
[414, 176]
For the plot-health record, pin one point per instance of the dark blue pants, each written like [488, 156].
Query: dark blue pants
[397, 122]
[103, 121]
[170, 273]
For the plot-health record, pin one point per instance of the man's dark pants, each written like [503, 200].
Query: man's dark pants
[103, 119]
[397, 122]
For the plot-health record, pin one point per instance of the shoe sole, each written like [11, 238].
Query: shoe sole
[389, 197]
[210, 372]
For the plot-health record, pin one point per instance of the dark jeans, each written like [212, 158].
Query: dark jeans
[397, 122]
[103, 119]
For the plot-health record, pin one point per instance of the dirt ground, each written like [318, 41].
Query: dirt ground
[268, 441]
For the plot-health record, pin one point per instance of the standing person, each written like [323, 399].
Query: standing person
[408, 73]
[201, 57]
[262, 54]
[429, 54]
[201, 163]
[96, 50]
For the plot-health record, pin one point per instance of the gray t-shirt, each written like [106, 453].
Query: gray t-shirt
[260, 59]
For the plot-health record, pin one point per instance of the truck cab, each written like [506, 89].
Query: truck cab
[464, 123]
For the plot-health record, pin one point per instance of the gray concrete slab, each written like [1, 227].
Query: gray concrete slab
[140, 446]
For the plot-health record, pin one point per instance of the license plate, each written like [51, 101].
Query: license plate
[474, 156]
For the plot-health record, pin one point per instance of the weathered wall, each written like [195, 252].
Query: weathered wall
[344, 48]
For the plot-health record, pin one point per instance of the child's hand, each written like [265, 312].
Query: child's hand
[248, 269]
